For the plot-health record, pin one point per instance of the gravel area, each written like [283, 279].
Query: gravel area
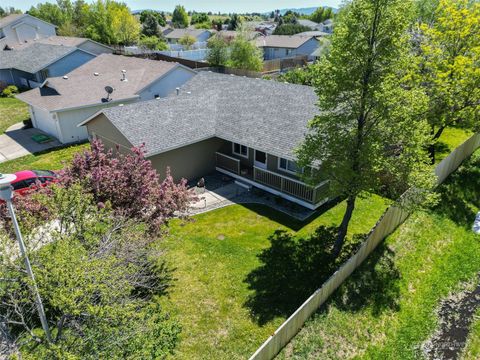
[455, 317]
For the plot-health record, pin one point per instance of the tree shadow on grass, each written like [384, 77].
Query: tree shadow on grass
[291, 269]
[460, 195]
[287, 220]
[374, 284]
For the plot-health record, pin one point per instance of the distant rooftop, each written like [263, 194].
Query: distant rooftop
[282, 41]
[71, 41]
[8, 19]
[33, 58]
[179, 33]
[85, 85]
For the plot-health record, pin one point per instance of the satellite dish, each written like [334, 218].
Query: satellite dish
[109, 90]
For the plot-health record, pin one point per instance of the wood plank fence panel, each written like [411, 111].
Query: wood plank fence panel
[390, 220]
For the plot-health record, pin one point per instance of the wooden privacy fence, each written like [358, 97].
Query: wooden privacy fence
[390, 220]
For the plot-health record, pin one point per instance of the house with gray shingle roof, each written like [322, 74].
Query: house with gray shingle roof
[243, 127]
[61, 103]
[287, 46]
[200, 35]
[31, 65]
[85, 44]
[18, 28]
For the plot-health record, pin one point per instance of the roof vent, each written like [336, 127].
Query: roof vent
[124, 75]
[189, 92]
[95, 74]
[65, 77]
[178, 90]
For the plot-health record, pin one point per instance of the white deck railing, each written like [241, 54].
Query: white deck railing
[291, 186]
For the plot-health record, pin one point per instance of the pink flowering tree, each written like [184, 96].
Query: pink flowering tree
[129, 183]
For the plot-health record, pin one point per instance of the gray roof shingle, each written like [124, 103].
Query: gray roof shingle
[85, 86]
[282, 41]
[261, 114]
[9, 18]
[33, 58]
[179, 33]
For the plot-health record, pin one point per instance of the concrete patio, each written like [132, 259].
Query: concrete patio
[17, 142]
[221, 190]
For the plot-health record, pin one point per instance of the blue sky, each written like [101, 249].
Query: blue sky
[201, 5]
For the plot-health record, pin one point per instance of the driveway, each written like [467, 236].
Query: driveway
[17, 142]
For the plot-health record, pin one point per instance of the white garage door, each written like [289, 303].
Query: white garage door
[43, 120]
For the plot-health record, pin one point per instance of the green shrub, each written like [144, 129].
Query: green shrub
[9, 91]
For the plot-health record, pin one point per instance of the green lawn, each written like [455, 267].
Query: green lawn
[388, 307]
[213, 254]
[472, 349]
[450, 139]
[48, 160]
[12, 111]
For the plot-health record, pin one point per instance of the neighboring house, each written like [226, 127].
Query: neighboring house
[327, 26]
[61, 103]
[230, 35]
[285, 46]
[311, 24]
[18, 28]
[315, 33]
[30, 66]
[85, 44]
[200, 35]
[263, 27]
[243, 127]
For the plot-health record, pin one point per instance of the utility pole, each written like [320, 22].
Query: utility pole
[6, 194]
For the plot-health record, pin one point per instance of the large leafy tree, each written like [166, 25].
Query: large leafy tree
[98, 274]
[150, 26]
[217, 51]
[49, 12]
[449, 66]
[180, 17]
[125, 26]
[322, 14]
[244, 54]
[367, 130]
[160, 16]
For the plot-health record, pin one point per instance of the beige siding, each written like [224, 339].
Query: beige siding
[69, 120]
[189, 162]
[102, 128]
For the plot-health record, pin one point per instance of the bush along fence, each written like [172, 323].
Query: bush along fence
[390, 220]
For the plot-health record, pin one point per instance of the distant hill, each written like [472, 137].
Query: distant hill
[304, 11]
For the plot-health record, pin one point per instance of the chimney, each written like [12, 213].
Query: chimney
[124, 75]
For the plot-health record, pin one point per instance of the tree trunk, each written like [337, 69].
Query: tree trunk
[435, 137]
[342, 230]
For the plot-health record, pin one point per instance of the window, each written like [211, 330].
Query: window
[289, 166]
[240, 150]
[19, 185]
[288, 51]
